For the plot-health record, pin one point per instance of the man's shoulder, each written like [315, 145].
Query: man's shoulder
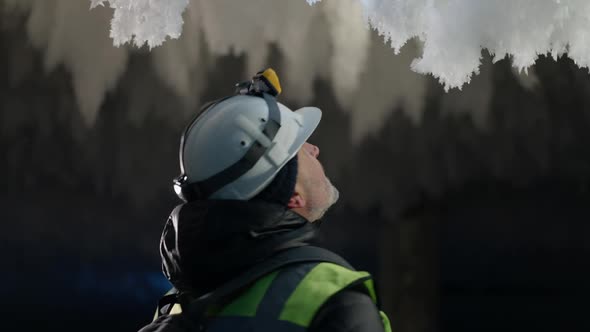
[351, 310]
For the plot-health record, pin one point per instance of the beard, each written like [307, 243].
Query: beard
[332, 195]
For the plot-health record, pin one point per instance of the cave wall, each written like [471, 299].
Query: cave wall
[83, 205]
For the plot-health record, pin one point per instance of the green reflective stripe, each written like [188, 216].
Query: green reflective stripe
[325, 280]
[370, 285]
[246, 304]
[385, 320]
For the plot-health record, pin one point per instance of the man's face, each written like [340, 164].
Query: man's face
[313, 184]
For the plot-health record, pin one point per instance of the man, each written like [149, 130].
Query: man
[238, 250]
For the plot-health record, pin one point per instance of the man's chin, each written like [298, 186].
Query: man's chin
[334, 193]
[334, 196]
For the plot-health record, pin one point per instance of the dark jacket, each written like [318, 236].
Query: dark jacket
[219, 239]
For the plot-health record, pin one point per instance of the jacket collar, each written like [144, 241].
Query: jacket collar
[218, 239]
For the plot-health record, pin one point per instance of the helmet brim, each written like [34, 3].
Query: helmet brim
[311, 117]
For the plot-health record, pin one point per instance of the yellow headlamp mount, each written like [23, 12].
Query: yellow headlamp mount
[266, 81]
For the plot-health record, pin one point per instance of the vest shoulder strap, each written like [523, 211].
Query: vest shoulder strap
[320, 284]
[197, 307]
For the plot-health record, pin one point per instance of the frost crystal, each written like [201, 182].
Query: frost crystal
[142, 21]
[453, 32]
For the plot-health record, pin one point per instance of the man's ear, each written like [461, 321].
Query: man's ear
[296, 201]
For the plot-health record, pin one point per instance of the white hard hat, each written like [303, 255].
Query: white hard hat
[235, 148]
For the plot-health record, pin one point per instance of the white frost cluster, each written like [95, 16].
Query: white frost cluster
[455, 31]
[143, 21]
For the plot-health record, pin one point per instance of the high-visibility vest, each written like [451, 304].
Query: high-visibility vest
[288, 299]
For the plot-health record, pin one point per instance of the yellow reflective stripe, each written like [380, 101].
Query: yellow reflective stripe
[370, 285]
[247, 303]
[323, 281]
[385, 320]
[175, 309]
